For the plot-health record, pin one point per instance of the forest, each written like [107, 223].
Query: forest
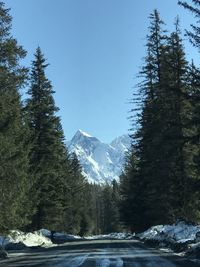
[41, 183]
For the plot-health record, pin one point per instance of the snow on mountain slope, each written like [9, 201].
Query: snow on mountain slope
[101, 162]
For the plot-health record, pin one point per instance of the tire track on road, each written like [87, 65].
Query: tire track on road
[110, 259]
[73, 262]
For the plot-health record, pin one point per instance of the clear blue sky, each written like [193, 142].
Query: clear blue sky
[95, 49]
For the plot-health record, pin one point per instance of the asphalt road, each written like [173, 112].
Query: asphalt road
[100, 253]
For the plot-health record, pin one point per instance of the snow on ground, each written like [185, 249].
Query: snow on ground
[61, 235]
[69, 237]
[30, 239]
[34, 239]
[119, 236]
[181, 237]
[180, 232]
[19, 240]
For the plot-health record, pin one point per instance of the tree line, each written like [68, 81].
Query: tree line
[41, 183]
[160, 182]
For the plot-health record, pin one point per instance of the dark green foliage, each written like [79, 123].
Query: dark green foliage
[77, 217]
[96, 208]
[153, 168]
[105, 208]
[110, 219]
[58, 186]
[194, 84]
[41, 184]
[131, 191]
[157, 185]
[14, 186]
[150, 144]
[181, 131]
[194, 7]
[48, 152]
[115, 198]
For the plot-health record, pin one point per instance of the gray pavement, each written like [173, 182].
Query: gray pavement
[99, 253]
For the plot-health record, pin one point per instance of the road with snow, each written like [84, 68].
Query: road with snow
[99, 253]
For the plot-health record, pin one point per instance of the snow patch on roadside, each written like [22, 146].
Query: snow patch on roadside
[30, 239]
[34, 239]
[181, 237]
[180, 232]
[119, 236]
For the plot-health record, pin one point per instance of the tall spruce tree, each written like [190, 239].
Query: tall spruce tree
[180, 130]
[48, 152]
[194, 79]
[174, 161]
[140, 176]
[163, 151]
[13, 149]
[149, 145]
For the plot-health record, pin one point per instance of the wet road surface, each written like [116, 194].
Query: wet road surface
[99, 253]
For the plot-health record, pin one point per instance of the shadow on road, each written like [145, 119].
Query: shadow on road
[95, 253]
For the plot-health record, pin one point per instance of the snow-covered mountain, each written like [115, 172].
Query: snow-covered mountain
[101, 162]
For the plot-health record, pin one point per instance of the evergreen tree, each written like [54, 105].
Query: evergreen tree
[161, 163]
[104, 208]
[194, 34]
[48, 152]
[77, 218]
[115, 198]
[180, 130]
[194, 79]
[194, 85]
[149, 145]
[96, 208]
[14, 184]
[87, 220]
[107, 208]
[131, 194]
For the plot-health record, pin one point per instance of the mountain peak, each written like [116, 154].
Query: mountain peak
[100, 162]
[80, 136]
[84, 140]
[80, 132]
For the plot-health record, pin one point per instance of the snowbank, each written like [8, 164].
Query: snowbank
[119, 236]
[68, 237]
[180, 237]
[19, 239]
[180, 232]
[30, 239]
